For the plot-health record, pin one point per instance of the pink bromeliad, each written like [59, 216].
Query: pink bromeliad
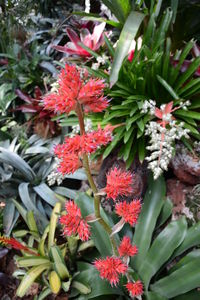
[92, 41]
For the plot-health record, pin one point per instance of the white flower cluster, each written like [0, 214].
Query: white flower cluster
[87, 6]
[101, 60]
[161, 141]
[55, 177]
[76, 128]
[162, 137]
[149, 106]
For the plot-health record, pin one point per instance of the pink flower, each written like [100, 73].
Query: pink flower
[75, 87]
[69, 164]
[74, 223]
[126, 249]
[135, 288]
[111, 268]
[129, 211]
[119, 183]
[131, 55]
[92, 41]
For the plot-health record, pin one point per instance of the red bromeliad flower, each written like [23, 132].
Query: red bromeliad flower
[126, 249]
[119, 182]
[73, 89]
[111, 268]
[71, 151]
[135, 288]
[92, 41]
[74, 223]
[129, 211]
[95, 139]
[16, 245]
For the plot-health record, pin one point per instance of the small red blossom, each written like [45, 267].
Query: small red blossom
[129, 211]
[131, 55]
[126, 249]
[74, 223]
[135, 288]
[69, 164]
[71, 151]
[98, 138]
[16, 245]
[75, 87]
[119, 183]
[111, 268]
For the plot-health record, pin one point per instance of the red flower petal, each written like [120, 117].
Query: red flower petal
[129, 211]
[135, 288]
[126, 249]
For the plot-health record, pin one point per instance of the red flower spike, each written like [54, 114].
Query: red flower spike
[75, 87]
[119, 183]
[131, 55]
[95, 139]
[16, 245]
[110, 268]
[74, 223]
[135, 288]
[126, 249]
[69, 164]
[129, 211]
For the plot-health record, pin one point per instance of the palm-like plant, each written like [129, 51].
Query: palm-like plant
[152, 75]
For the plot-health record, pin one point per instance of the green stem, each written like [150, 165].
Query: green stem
[97, 199]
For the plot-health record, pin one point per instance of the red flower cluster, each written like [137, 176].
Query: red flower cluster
[111, 268]
[73, 148]
[135, 288]
[119, 182]
[74, 89]
[129, 211]
[74, 223]
[16, 245]
[126, 249]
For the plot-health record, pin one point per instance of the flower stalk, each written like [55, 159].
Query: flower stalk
[97, 198]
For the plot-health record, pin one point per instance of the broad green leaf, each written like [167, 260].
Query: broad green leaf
[165, 212]
[154, 296]
[192, 239]
[161, 251]
[193, 295]
[90, 276]
[46, 193]
[32, 261]
[8, 216]
[17, 162]
[185, 260]
[99, 236]
[189, 85]
[179, 282]
[44, 294]
[59, 263]
[29, 278]
[120, 8]
[151, 209]
[127, 35]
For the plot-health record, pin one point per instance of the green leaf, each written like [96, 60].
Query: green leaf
[100, 238]
[154, 296]
[189, 85]
[32, 261]
[8, 216]
[193, 295]
[120, 8]
[151, 208]
[192, 239]
[44, 294]
[186, 75]
[167, 87]
[29, 278]
[53, 223]
[161, 251]
[90, 276]
[185, 260]
[114, 142]
[109, 45]
[179, 282]
[165, 212]
[127, 35]
[46, 193]
[17, 162]
[188, 113]
[82, 288]
[59, 263]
